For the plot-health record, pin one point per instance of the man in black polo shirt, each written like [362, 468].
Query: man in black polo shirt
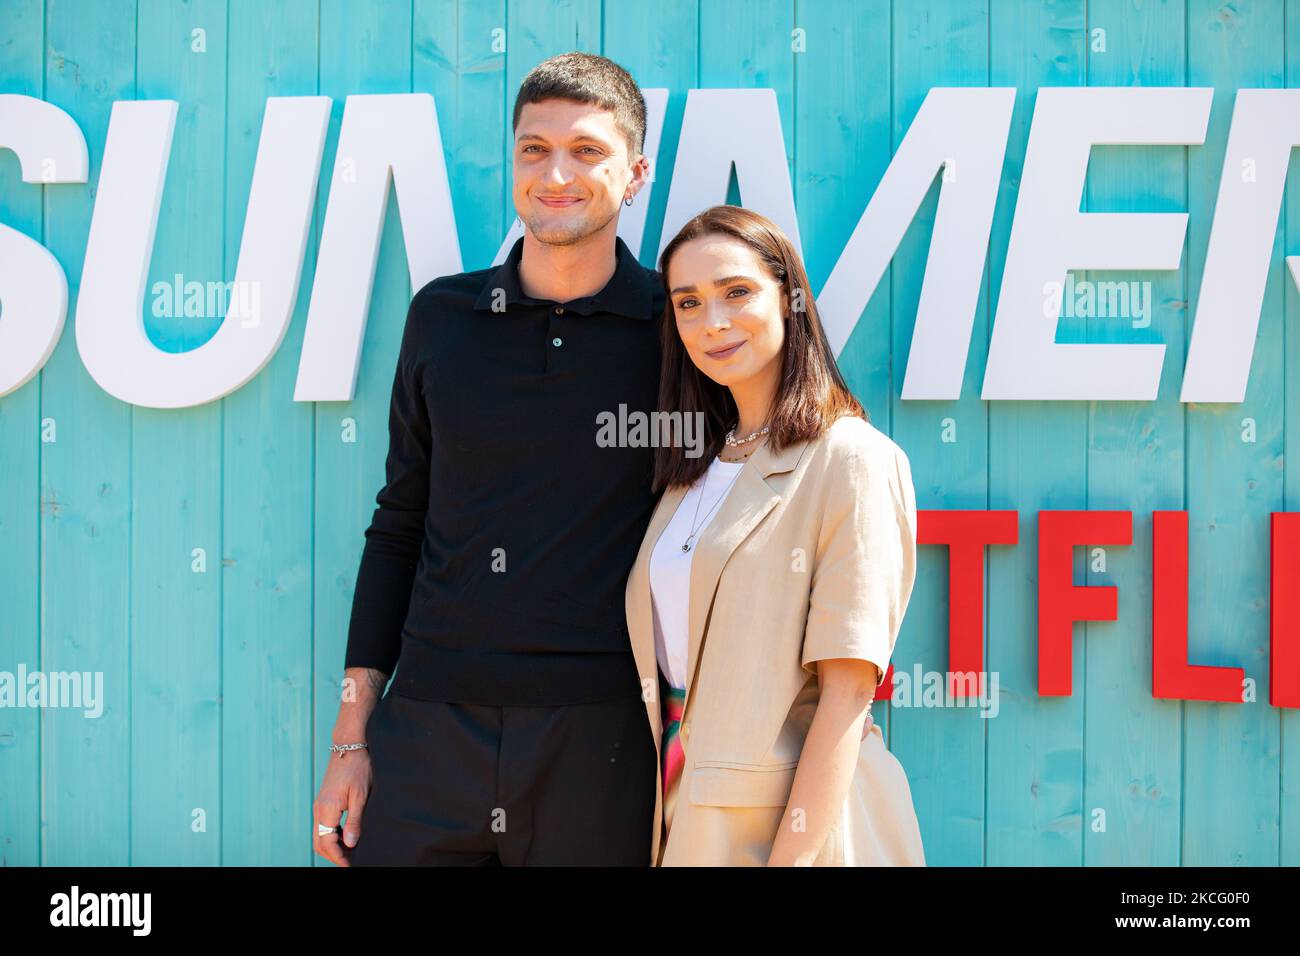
[493, 571]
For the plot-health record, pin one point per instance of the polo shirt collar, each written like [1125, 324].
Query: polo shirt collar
[628, 291]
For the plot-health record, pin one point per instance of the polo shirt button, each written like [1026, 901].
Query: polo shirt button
[559, 310]
[557, 341]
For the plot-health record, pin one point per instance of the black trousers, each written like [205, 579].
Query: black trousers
[477, 785]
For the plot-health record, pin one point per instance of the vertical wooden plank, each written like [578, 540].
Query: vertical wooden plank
[1037, 460]
[458, 60]
[942, 749]
[842, 121]
[85, 481]
[22, 66]
[658, 45]
[363, 49]
[176, 465]
[1231, 750]
[266, 780]
[748, 50]
[1132, 742]
[1289, 815]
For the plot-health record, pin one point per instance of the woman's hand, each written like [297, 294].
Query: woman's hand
[828, 761]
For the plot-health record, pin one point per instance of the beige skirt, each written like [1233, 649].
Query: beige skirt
[880, 825]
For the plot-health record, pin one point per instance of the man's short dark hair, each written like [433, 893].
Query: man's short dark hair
[588, 78]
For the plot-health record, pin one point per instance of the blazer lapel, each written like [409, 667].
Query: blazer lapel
[747, 503]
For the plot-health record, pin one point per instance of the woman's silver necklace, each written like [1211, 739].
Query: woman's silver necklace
[695, 523]
[733, 441]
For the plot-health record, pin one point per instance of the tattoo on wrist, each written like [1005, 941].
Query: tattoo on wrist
[376, 680]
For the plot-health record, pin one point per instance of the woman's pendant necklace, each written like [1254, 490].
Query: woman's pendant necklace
[695, 522]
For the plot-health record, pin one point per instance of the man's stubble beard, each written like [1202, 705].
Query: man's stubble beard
[570, 235]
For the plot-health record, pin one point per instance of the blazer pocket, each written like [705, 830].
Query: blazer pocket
[718, 785]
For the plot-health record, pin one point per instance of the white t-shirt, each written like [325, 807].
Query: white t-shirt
[670, 566]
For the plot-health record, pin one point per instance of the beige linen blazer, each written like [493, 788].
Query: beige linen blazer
[812, 555]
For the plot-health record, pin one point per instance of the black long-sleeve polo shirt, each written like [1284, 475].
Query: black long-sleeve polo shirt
[494, 567]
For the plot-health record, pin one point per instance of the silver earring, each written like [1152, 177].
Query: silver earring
[628, 201]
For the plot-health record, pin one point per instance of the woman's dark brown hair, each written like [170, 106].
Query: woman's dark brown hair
[811, 393]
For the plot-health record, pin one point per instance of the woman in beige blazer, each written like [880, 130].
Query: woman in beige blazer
[768, 592]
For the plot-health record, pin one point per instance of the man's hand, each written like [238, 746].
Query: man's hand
[348, 774]
[345, 788]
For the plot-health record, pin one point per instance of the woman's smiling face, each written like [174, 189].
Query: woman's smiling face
[729, 309]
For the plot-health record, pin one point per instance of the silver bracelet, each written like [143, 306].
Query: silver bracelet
[341, 748]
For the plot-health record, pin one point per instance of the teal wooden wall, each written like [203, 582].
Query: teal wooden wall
[221, 686]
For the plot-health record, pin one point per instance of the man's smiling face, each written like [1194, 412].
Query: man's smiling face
[571, 170]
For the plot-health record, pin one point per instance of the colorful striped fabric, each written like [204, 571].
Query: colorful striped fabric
[672, 700]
